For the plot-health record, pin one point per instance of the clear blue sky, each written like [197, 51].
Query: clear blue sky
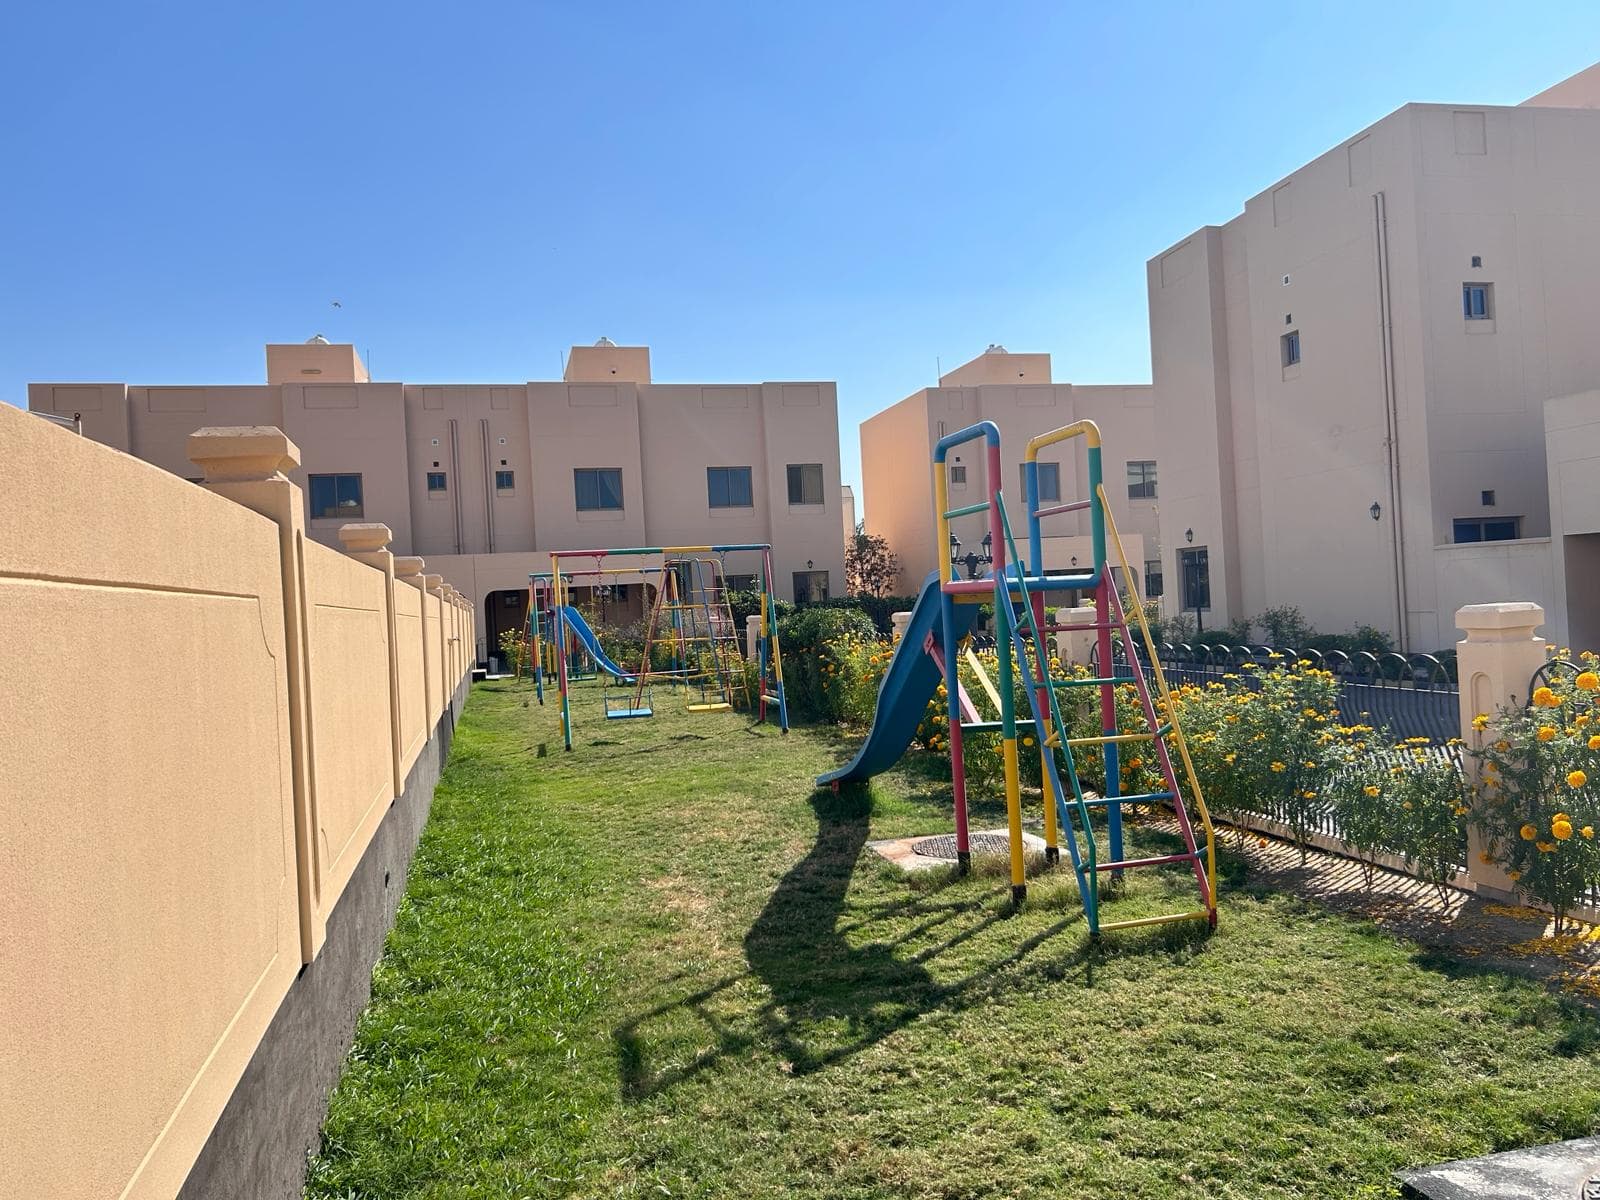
[842, 191]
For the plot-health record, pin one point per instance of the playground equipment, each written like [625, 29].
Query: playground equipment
[690, 615]
[929, 652]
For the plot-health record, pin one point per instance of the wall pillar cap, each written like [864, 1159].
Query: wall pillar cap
[242, 453]
[1506, 621]
[434, 583]
[406, 566]
[365, 537]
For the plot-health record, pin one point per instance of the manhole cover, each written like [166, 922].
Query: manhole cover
[944, 845]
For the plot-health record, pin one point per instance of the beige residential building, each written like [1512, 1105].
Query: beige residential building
[1016, 392]
[485, 480]
[1351, 376]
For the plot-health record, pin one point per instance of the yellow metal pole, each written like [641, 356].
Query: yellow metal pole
[1014, 816]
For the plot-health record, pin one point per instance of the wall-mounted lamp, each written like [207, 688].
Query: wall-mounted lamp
[1375, 511]
[1188, 535]
[810, 565]
[1074, 560]
[971, 560]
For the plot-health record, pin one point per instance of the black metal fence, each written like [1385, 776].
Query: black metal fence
[1409, 695]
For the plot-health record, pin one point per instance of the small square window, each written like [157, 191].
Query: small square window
[1477, 261]
[1477, 301]
[805, 483]
[597, 489]
[958, 476]
[436, 481]
[505, 481]
[729, 487]
[1494, 529]
[1289, 345]
[1153, 582]
[1049, 481]
[1487, 498]
[1142, 480]
[336, 497]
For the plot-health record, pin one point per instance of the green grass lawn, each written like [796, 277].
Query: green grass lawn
[663, 965]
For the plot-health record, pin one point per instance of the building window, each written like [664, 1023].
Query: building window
[740, 583]
[1477, 301]
[1142, 482]
[436, 481]
[729, 487]
[335, 496]
[1049, 481]
[1153, 585]
[958, 476]
[1194, 568]
[810, 587]
[597, 489]
[1494, 529]
[513, 599]
[805, 483]
[1486, 497]
[505, 481]
[1289, 344]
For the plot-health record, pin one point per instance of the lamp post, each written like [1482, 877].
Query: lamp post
[972, 560]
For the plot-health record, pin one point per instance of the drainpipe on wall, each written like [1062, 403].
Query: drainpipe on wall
[488, 494]
[455, 480]
[1380, 216]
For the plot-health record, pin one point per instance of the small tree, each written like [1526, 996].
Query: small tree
[870, 567]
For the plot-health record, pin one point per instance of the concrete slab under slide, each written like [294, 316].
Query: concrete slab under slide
[904, 852]
[1560, 1171]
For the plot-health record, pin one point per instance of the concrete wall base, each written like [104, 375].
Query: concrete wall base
[273, 1121]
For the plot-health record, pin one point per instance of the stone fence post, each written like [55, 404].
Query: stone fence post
[1074, 646]
[408, 569]
[248, 465]
[901, 621]
[1494, 663]
[752, 636]
[368, 542]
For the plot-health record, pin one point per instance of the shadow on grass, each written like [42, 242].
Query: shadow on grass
[830, 996]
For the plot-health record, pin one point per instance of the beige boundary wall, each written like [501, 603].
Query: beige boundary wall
[207, 716]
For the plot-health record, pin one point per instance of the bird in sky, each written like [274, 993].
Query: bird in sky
[336, 304]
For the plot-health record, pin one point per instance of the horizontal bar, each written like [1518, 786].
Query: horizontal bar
[1101, 739]
[1091, 628]
[659, 550]
[1055, 583]
[1199, 914]
[959, 587]
[769, 699]
[1159, 860]
[1093, 681]
[1137, 798]
[967, 510]
[996, 726]
[1054, 510]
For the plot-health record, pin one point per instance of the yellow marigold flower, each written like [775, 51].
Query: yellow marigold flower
[1561, 828]
[1514, 875]
[1588, 681]
[1546, 733]
[1228, 758]
[1577, 779]
[1486, 859]
[1481, 721]
[1278, 766]
[1528, 833]
[1309, 795]
[1461, 810]
[1371, 789]
[1545, 847]
[1311, 764]
[1543, 697]
[1502, 746]
[1406, 804]
[1594, 742]
[1587, 831]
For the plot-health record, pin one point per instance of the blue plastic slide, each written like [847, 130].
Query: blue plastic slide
[906, 688]
[591, 644]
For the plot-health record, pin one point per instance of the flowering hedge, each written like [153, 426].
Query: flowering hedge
[1267, 741]
[1537, 807]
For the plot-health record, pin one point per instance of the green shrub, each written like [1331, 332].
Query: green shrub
[1537, 802]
